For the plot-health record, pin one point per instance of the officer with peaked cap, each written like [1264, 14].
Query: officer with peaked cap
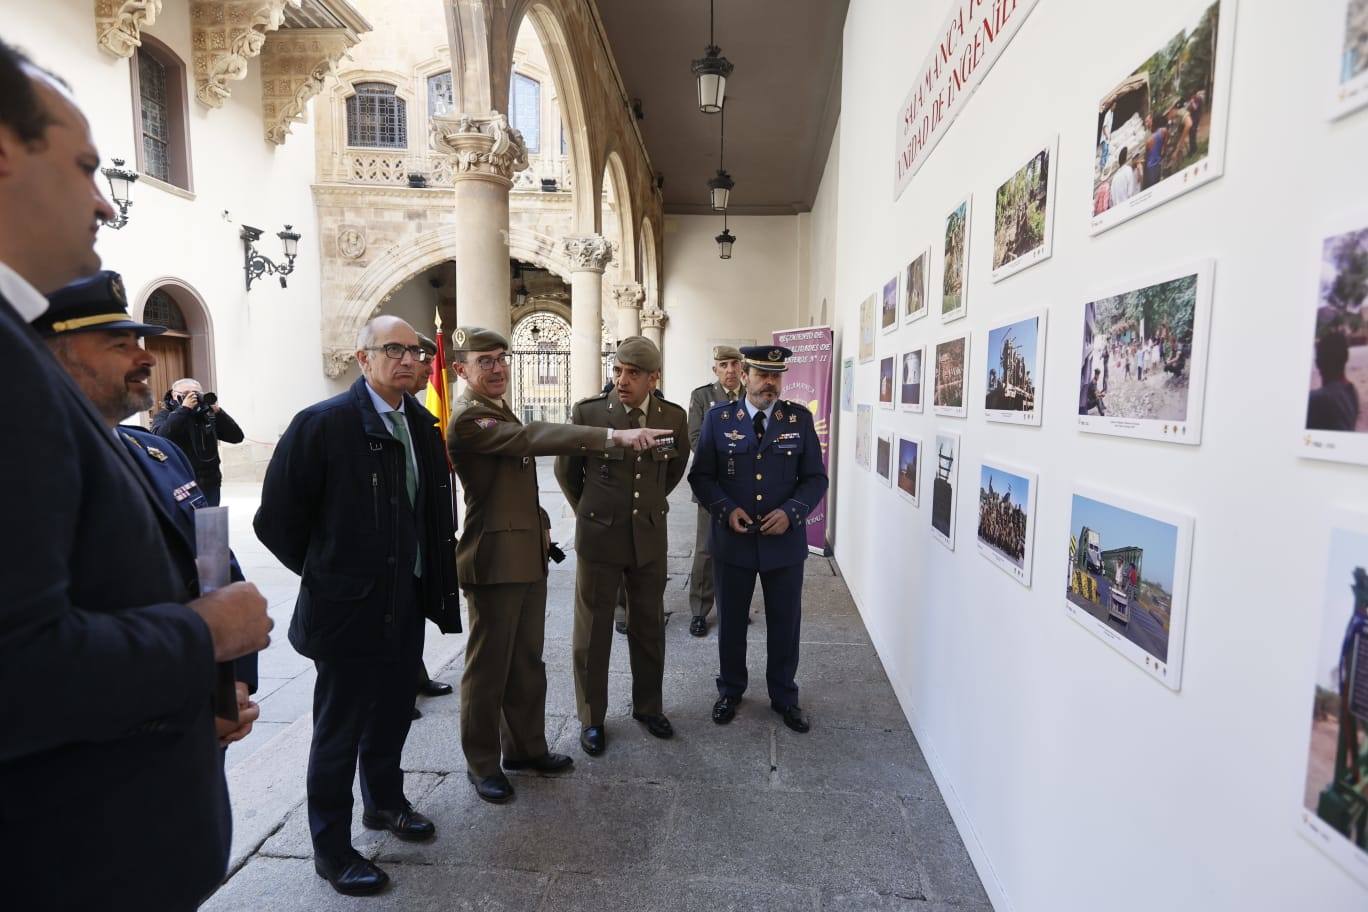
[619, 499]
[502, 561]
[758, 472]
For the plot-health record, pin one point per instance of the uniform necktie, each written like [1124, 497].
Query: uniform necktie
[399, 427]
[637, 417]
[759, 426]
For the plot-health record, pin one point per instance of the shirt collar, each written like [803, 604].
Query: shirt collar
[381, 406]
[751, 410]
[26, 299]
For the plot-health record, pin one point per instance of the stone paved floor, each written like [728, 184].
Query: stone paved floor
[749, 816]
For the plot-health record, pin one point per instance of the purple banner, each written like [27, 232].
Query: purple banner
[808, 382]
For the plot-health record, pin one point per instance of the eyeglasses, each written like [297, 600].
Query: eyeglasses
[396, 351]
[487, 362]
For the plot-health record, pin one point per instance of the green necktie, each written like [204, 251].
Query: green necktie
[399, 427]
[637, 417]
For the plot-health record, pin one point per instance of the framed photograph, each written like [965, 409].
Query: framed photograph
[911, 371]
[1128, 578]
[867, 317]
[1143, 365]
[1014, 370]
[886, 381]
[864, 435]
[948, 392]
[1161, 129]
[847, 384]
[1351, 83]
[1023, 213]
[1006, 518]
[888, 306]
[1336, 422]
[883, 456]
[955, 272]
[1336, 763]
[909, 469]
[914, 287]
[946, 467]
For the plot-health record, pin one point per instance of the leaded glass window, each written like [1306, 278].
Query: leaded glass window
[376, 117]
[156, 117]
[162, 310]
[440, 99]
[525, 104]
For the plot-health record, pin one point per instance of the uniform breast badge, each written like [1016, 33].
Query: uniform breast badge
[731, 467]
[734, 435]
[779, 415]
[740, 414]
[793, 419]
[156, 454]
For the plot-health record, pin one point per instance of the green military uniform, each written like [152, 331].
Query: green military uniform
[701, 579]
[501, 562]
[619, 498]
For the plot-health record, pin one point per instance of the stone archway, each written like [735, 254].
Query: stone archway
[539, 384]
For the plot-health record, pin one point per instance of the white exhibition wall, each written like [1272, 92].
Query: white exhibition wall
[1078, 781]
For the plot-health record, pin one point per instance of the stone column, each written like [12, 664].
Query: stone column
[653, 321]
[589, 254]
[628, 299]
[487, 153]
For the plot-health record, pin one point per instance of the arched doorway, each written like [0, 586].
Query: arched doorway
[186, 348]
[539, 383]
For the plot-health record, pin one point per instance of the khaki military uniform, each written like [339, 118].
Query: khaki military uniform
[701, 578]
[501, 562]
[619, 498]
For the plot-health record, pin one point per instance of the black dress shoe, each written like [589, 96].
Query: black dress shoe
[417, 713]
[405, 823]
[620, 627]
[594, 739]
[351, 874]
[494, 789]
[724, 710]
[546, 763]
[433, 688]
[793, 717]
[699, 626]
[656, 725]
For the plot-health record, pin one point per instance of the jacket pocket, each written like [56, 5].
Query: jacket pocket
[601, 517]
[337, 587]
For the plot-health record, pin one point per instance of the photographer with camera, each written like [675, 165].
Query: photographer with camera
[194, 421]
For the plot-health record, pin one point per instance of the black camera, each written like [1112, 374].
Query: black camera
[209, 399]
[555, 553]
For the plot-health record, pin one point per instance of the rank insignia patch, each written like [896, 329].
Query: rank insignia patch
[485, 424]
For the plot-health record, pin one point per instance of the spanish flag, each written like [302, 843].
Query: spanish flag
[439, 385]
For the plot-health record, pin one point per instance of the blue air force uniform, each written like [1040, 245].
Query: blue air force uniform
[778, 468]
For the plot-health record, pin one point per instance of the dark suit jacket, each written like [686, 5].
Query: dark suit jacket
[112, 793]
[335, 510]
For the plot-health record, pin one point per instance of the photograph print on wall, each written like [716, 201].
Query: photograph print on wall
[943, 487]
[847, 384]
[1006, 518]
[1336, 418]
[1127, 579]
[1143, 364]
[910, 375]
[949, 372]
[1351, 83]
[955, 264]
[1015, 370]
[1336, 761]
[868, 317]
[883, 457]
[908, 479]
[886, 381]
[864, 435]
[914, 287]
[1023, 214]
[1161, 130]
[888, 306]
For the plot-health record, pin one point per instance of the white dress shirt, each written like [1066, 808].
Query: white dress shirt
[26, 299]
[381, 406]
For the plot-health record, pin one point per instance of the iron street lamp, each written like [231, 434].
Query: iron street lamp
[712, 70]
[255, 265]
[720, 187]
[120, 183]
[725, 241]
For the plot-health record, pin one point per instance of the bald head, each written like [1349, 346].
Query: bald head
[377, 345]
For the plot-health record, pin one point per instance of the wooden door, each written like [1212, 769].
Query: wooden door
[173, 362]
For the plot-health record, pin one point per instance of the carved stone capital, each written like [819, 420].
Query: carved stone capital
[119, 24]
[225, 35]
[653, 318]
[336, 361]
[588, 252]
[483, 146]
[630, 295]
[295, 63]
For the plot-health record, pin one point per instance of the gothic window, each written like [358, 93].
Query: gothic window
[376, 117]
[440, 98]
[160, 115]
[525, 110]
[162, 310]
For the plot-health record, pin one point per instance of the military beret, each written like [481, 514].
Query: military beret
[427, 344]
[476, 339]
[93, 304]
[726, 353]
[767, 357]
[639, 352]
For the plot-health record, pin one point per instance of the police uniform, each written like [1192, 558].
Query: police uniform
[619, 499]
[780, 468]
[703, 399]
[501, 560]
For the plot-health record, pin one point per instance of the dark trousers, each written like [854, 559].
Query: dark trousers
[783, 589]
[362, 709]
[212, 491]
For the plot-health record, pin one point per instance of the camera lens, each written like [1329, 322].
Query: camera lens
[209, 398]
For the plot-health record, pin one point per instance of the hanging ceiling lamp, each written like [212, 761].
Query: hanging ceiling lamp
[712, 71]
[720, 187]
[725, 240]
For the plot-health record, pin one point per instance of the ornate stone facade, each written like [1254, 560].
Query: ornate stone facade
[119, 24]
[588, 252]
[225, 35]
[482, 146]
[295, 64]
[629, 296]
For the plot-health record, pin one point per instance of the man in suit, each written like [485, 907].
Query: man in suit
[502, 561]
[758, 472]
[357, 501]
[619, 499]
[106, 657]
[88, 329]
[727, 387]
